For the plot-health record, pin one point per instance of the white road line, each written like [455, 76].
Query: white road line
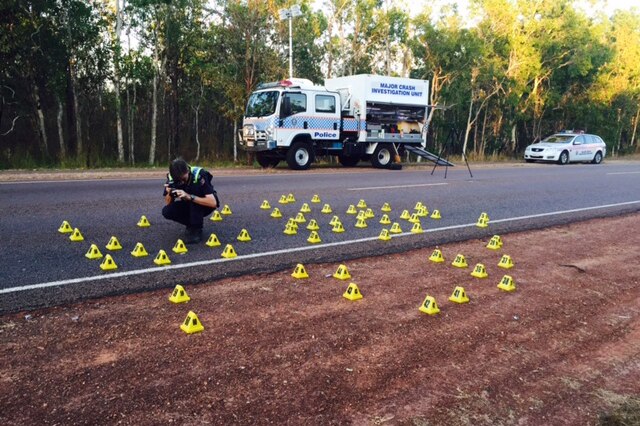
[396, 186]
[291, 250]
[623, 173]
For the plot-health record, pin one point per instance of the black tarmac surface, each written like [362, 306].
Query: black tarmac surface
[41, 267]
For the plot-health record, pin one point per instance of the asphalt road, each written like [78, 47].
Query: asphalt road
[41, 267]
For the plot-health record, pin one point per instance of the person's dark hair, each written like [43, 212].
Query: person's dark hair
[178, 168]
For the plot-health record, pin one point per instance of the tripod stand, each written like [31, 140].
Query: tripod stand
[452, 137]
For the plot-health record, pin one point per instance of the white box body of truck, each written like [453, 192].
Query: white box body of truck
[360, 117]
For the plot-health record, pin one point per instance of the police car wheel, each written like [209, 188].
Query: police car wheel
[382, 157]
[597, 159]
[564, 158]
[299, 156]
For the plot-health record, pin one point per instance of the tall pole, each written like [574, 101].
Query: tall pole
[290, 48]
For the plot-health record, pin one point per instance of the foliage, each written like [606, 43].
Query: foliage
[508, 74]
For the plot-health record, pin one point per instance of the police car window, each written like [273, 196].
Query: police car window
[558, 139]
[325, 103]
[298, 102]
[580, 140]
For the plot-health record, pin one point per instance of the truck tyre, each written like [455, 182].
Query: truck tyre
[348, 161]
[266, 160]
[299, 156]
[382, 156]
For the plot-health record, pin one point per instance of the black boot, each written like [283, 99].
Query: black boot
[192, 235]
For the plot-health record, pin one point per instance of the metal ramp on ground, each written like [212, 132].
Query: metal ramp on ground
[428, 155]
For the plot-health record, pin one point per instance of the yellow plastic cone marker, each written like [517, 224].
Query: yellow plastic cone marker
[93, 252]
[362, 204]
[265, 205]
[290, 230]
[326, 209]
[414, 219]
[229, 252]
[300, 272]
[417, 228]
[460, 261]
[436, 215]
[384, 220]
[352, 209]
[226, 210]
[436, 256]
[479, 271]
[315, 199]
[305, 208]
[313, 225]
[300, 218]
[213, 241]
[108, 264]
[65, 228]
[418, 205]
[429, 306]
[361, 215]
[276, 213]
[506, 262]
[216, 217]
[283, 199]
[361, 223]
[179, 295]
[342, 273]
[395, 228]
[113, 244]
[292, 222]
[191, 324]
[405, 215]
[139, 251]
[493, 244]
[507, 284]
[244, 236]
[368, 214]
[482, 223]
[338, 227]
[498, 239]
[459, 295]
[352, 292]
[314, 238]
[483, 215]
[384, 235]
[334, 220]
[291, 198]
[162, 259]
[423, 212]
[143, 222]
[180, 248]
[77, 236]
[386, 207]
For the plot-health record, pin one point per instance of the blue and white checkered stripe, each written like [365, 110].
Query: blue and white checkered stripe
[351, 124]
[297, 122]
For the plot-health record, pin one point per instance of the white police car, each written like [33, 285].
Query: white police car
[567, 147]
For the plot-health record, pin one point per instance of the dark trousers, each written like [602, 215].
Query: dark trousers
[187, 213]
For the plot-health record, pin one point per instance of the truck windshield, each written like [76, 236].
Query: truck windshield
[262, 104]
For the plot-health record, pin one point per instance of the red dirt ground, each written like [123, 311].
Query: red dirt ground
[563, 349]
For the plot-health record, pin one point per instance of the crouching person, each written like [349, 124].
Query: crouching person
[190, 197]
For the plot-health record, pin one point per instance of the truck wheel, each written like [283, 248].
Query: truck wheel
[299, 156]
[382, 156]
[348, 161]
[266, 160]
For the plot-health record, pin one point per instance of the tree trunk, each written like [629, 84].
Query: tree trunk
[154, 107]
[635, 128]
[63, 148]
[469, 124]
[235, 141]
[132, 121]
[116, 83]
[42, 131]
